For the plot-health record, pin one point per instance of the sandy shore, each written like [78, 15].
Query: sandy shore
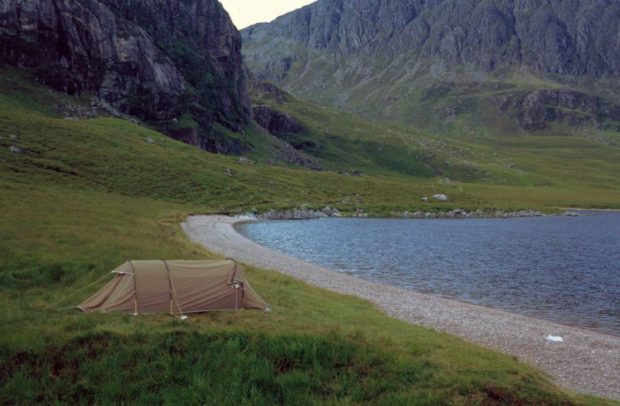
[586, 362]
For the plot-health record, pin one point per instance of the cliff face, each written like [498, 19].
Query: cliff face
[378, 57]
[168, 62]
[561, 36]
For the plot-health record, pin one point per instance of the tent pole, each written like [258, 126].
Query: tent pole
[173, 292]
[169, 284]
[135, 290]
[234, 283]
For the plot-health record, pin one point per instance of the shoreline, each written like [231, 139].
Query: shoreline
[586, 362]
[454, 214]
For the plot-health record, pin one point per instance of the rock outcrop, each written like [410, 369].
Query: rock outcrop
[276, 122]
[534, 110]
[287, 153]
[156, 60]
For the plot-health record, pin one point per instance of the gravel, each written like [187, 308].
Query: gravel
[586, 361]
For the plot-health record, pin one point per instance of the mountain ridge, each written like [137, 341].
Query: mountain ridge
[399, 60]
[565, 37]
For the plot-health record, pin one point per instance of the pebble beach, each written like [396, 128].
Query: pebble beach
[585, 361]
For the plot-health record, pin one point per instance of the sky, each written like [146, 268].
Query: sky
[247, 12]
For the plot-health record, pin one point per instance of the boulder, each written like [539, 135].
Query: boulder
[331, 212]
[459, 213]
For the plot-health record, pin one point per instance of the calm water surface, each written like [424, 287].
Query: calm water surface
[557, 268]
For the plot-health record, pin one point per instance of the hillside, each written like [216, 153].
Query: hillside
[81, 196]
[491, 174]
[176, 64]
[518, 171]
[451, 67]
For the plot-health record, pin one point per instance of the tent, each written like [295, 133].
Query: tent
[177, 287]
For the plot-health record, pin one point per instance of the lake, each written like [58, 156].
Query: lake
[563, 269]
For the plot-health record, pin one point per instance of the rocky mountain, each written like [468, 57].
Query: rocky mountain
[466, 66]
[175, 64]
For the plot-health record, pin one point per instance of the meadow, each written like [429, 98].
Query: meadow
[81, 196]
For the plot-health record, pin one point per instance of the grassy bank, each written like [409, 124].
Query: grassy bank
[315, 347]
[81, 196]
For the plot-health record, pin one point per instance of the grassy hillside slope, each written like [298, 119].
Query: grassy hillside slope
[83, 195]
[506, 173]
[537, 170]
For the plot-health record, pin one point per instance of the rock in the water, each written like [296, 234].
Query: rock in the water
[440, 197]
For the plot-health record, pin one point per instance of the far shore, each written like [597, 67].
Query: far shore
[580, 209]
[455, 214]
[586, 362]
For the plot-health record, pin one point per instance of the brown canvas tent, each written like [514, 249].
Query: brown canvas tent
[177, 287]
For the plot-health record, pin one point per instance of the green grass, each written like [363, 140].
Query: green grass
[86, 194]
[399, 165]
[529, 171]
[315, 346]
